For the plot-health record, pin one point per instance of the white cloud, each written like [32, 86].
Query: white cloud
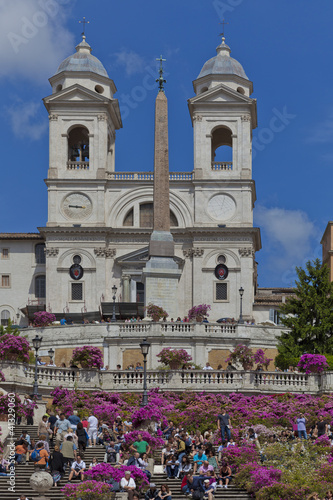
[323, 132]
[33, 39]
[26, 120]
[290, 237]
[132, 61]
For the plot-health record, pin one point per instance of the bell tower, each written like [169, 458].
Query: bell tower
[84, 117]
[223, 116]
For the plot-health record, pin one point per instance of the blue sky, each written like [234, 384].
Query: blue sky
[286, 50]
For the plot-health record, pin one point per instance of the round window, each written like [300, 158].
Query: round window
[221, 259]
[77, 259]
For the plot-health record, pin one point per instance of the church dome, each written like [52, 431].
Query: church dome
[223, 64]
[82, 60]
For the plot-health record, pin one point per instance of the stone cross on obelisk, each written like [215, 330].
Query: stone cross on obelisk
[161, 273]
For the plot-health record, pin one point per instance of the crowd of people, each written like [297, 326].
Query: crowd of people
[190, 457]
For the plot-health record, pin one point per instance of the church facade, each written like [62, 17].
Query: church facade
[100, 220]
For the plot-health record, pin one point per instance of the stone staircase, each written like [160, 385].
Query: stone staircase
[23, 473]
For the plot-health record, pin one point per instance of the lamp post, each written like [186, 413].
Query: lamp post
[36, 342]
[144, 349]
[51, 354]
[114, 291]
[241, 292]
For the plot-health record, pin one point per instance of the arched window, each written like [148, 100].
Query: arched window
[147, 216]
[222, 148]
[78, 147]
[40, 253]
[5, 315]
[129, 218]
[40, 286]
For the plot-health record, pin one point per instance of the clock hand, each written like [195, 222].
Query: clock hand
[76, 206]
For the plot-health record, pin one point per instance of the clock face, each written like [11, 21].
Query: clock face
[221, 207]
[77, 206]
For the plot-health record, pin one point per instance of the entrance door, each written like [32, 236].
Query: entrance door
[140, 292]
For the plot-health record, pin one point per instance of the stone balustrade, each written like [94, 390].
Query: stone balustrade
[147, 176]
[222, 165]
[19, 377]
[77, 165]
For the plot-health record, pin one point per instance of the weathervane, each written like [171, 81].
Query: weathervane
[84, 22]
[223, 24]
[161, 80]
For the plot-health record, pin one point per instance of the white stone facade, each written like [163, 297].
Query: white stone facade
[101, 216]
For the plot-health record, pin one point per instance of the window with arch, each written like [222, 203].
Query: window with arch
[78, 145]
[222, 145]
[5, 315]
[40, 253]
[40, 286]
[129, 218]
[147, 216]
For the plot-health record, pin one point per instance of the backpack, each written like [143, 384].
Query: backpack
[35, 456]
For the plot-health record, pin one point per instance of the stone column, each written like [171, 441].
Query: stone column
[126, 288]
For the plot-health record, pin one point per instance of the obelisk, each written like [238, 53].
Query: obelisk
[161, 274]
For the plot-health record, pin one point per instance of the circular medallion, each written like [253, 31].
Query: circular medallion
[221, 207]
[221, 272]
[77, 206]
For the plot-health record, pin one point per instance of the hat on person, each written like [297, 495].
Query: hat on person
[206, 481]
[152, 485]
[127, 472]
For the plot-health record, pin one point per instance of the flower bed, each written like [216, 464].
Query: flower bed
[88, 490]
[169, 356]
[43, 318]
[106, 471]
[313, 363]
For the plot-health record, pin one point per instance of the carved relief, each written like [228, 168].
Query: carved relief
[197, 118]
[108, 253]
[51, 252]
[101, 118]
[246, 118]
[193, 252]
[53, 117]
[246, 252]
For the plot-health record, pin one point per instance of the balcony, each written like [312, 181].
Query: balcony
[147, 176]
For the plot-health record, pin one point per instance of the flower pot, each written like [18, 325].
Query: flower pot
[3, 418]
[199, 319]
[85, 364]
[247, 366]
[175, 365]
[10, 356]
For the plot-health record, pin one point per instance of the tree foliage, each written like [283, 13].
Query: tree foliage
[308, 315]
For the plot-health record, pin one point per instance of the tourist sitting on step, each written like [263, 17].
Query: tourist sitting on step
[21, 451]
[204, 468]
[184, 466]
[56, 464]
[166, 453]
[128, 485]
[198, 460]
[144, 464]
[23, 497]
[164, 493]
[212, 478]
[194, 486]
[111, 456]
[26, 437]
[152, 492]
[172, 467]
[225, 476]
[208, 489]
[4, 464]
[212, 458]
[77, 469]
[93, 463]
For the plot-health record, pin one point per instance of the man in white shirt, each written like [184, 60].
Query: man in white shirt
[207, 367]
[128, 484]
[77, 469]
[92, 429]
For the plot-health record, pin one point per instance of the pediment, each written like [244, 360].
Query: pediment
[138, 257]
[221, 93]
[75, 92]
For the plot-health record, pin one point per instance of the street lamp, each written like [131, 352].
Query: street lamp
[144, 349]
[51, 354]
[114, 291]
[241, 292]
[36, 342]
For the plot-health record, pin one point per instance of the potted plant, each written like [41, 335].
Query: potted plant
[313, 363]
[14, 348]
[174, 358]
[198, 312]
[243, 355]
[88, 357]
[260, 359]
[156, 313]
[43, 318]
